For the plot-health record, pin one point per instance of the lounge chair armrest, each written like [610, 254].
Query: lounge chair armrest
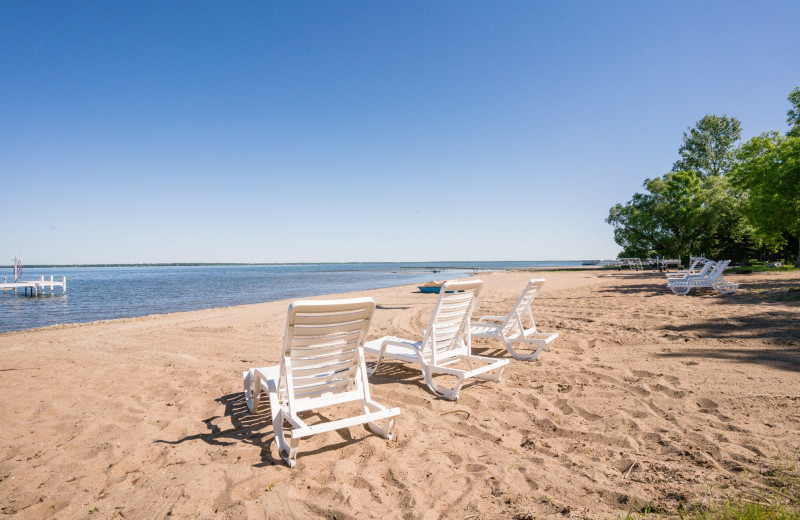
[491, 317]
[396, 343]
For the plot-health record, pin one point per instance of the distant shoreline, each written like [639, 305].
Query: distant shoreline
[429, 264]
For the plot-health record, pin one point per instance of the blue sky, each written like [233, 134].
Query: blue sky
[361, 131]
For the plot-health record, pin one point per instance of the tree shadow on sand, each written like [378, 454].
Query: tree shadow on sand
[651, 283]
[761, 310]
[751, 290]
[777, 329]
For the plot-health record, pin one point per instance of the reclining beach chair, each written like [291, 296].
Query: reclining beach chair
[693, 269]
[444, 343]
[512, 329]
[323, 365]
[713, 279]
[685, 275]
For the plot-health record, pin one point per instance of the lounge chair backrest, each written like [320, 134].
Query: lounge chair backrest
[708, 266]
[447, 334]
[322, 349]
[718, 269]
[514, 325]
[694, 266]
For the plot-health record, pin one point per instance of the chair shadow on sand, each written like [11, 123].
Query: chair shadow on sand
[402, 375]
[256, 429]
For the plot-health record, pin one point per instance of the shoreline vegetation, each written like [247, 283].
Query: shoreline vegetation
[729, 199]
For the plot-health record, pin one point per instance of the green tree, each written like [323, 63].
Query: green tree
[709, 148]
[793, 115]
[768, 173]
[674, 217]
[732, 236]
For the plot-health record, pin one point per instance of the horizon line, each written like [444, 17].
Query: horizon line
[197, 264]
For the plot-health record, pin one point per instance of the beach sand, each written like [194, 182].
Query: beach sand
[646, 398]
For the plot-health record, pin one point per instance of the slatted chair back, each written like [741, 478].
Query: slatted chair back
[322, 352]
[716, 272]
[704, 272]
[447, 335]
[514, 324]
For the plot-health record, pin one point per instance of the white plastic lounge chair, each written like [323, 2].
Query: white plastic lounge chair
[323, 365]
[703, 272]
[693, 269]
[445, 342]
[512, 329]
[713, 279]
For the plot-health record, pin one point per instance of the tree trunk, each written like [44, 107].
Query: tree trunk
[797, 263]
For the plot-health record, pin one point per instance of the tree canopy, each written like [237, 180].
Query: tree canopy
[671, 219]
[769, 173]
[720, 200]
[793, 115]
[708, 148]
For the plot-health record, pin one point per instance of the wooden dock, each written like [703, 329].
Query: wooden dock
[35, 287]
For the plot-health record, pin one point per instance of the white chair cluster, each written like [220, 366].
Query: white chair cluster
[710, 275]
[323, 362]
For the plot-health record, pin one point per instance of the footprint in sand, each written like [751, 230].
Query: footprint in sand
[706, 404]
[529, 400]
[565, 408]
[658, 387]
[455, 458]
[589, 416]
[407, 398]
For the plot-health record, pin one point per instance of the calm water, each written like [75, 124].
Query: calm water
[102, 293]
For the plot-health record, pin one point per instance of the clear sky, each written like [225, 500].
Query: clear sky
[361, 131]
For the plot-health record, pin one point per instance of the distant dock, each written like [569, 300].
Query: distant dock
[35, 287]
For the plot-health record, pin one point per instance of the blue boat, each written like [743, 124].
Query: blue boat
[432, 287]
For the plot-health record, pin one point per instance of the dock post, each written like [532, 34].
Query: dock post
[63, 285]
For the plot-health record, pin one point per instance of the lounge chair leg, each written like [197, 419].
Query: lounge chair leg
[377, 364]
[523, 356]
[494, 375]
[294, 448]
[385, 431]
[247, 379]
[287, 451]
[449, 394]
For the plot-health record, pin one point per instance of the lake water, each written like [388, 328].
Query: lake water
[102, 293]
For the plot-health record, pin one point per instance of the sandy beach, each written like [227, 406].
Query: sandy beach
[646, 398]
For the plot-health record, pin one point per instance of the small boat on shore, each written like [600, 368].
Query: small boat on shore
[432, 287]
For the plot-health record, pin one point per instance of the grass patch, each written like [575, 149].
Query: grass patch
[778, 498]
[745, 511]
[760, 269]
